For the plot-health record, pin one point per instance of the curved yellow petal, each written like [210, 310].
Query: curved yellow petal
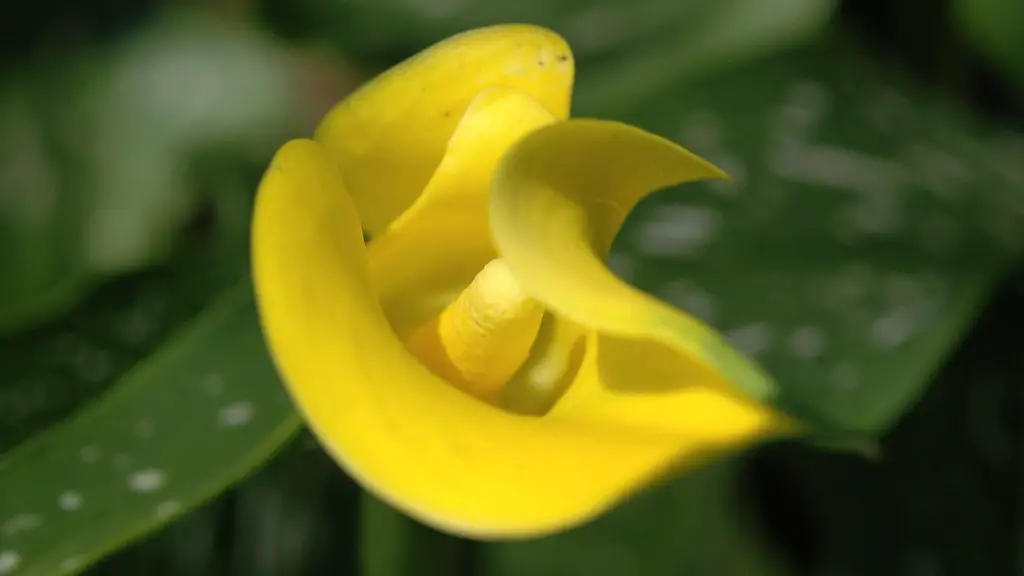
[559, 198]
[645, 386]
[415, 441]
[389, 135]
[435, 248]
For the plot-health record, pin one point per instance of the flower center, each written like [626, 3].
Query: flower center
[479, 341]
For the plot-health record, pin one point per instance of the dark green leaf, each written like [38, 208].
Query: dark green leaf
[41, 269]
[133, 116]
[715, 30]
[996, 29]
[938, 501]
[296, 517]
[174, 431]
[865, 226]
[692, 525]
[392, 544]
[98, 173]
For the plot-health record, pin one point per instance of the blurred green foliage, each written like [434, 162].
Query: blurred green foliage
[877, 214]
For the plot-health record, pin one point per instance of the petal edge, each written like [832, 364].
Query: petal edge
[559, 198]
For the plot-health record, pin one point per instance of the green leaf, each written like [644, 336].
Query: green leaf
[936, 502]
[184, 84]
[865, 226]
[99, 164]
[720, 29]
[40, 225]
[722, 34]
[994, 27]
[392, 544]
[48, 372]
[693, 525]
[174, 431]
[298, 516]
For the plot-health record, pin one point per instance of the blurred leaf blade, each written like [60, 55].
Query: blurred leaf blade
[690, 525]
[180, 427]
[722, 35]
[866, 225]
[39, 219]
[143, 108]
[99, 151]
[956, 448]
[595, 28]
[996, 29]
[393, 544]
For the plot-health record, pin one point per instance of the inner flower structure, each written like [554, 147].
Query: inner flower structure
[482, 338]
[476, 365]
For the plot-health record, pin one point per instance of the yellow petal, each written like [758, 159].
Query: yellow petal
[560, 197]
[642, 385]
[436, 247]
[389, 135]
[418, 443]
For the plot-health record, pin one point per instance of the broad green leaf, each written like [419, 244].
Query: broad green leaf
[865, 226]
[937, 502]
[48, 372]
[46, 376]
[41, 270]
[697, 524]
[298, 516]
[996, 29]
[720, 29]
[722, 34]
[391, 544]
[175, 430]
[99, 167]
[134, 115]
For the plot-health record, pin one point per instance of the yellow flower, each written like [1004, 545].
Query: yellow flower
[475, 364]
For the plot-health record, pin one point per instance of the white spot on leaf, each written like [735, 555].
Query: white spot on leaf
[147, 480]
[70, 501]
[20, 523]
[71, 564]
[893, 329]
[677, 230]
[753, 339]
[807, 342]
[167, 508]
[236, 414]
[89, 454]
[9, 561]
